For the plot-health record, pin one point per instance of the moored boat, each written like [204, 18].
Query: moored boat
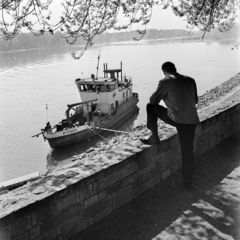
[107, 102]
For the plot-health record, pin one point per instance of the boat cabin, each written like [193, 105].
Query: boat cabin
[111, 90]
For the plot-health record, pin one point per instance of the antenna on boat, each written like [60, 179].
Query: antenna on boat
[98, 63]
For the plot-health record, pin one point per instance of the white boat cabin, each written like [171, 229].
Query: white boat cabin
[110, 91]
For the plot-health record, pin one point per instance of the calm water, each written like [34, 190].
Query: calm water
[32, 79]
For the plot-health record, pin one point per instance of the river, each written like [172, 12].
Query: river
[31, 79]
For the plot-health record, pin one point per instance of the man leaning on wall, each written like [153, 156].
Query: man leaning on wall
[179, 94]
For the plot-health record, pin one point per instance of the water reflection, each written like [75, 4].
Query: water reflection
[33, 56]
[64, 155]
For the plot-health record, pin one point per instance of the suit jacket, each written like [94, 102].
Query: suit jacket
[179, 93]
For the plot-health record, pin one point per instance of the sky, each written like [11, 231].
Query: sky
[161, 19]
[165, 19]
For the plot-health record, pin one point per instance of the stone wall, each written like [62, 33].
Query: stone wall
[65, 201]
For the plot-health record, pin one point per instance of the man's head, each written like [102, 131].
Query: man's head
[168, 68]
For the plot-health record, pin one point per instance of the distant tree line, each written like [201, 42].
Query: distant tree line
[29, 41]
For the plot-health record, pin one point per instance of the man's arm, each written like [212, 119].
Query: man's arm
[196, 95]
[159, 94]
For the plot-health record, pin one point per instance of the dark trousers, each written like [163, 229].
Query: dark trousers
[186, 134]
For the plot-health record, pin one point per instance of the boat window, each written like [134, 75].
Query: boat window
[110, 88]
[101, 88]
[91, 88]
[116, 104]
[82, 88]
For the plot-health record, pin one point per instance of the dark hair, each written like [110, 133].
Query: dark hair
[169, 67]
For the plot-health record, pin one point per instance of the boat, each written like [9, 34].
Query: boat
[106, 103]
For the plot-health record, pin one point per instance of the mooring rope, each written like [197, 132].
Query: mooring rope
[98, 134]
[111, 130]
[91, 127]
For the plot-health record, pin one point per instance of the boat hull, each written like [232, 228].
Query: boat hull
[124, 112]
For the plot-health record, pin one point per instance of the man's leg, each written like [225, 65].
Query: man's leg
[153, 113]
[186, 133]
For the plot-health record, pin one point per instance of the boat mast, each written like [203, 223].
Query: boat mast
[98, 63]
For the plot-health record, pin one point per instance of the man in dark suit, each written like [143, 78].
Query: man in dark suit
[179, 94]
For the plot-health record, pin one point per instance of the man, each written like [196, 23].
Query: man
[179, 94]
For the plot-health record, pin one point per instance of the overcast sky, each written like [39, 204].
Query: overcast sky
[161, 19]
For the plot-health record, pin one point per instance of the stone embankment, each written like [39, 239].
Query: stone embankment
[64, 201]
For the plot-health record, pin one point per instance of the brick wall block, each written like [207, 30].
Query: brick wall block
[236, 119]
[200, 144]
[157, 158]
[69, 234]
[61, 217]
[174, 168]
[5, 221]
[231, 110]
[84, 224]
[140, 189]
[47, 225]
[23, 236]
[50, 235]
[126, 171]
[70, 225]
[76, 209]
[21, 225]
[163, 146]
[85, 192]
[122, 197]
[165, 173]
[205, 125]
[212, 120]
[147, 176]
[218, 126]
[99, 216]
[42, 214]
[220, 116]
[89, 212]
[143, 159]
[104, 203]
[148, 169]
[137, 182]
[5, 232]
[65, 202]
[34, 232]
[90, 201]
[153, 181]
[115, 187]
[170, 157]
[104, 183]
